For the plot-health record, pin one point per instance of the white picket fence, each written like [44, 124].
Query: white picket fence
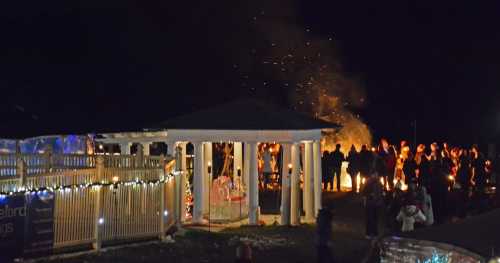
[101, 213]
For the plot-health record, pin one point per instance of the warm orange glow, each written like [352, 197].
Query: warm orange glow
[115, 179]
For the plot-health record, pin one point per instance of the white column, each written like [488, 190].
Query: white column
[170, 148]
[253, 189]
[179, 187]
[285, 184]
[246, 170]
[146, 146]
[207, 178]
[238, 163]
[125, 148]
[308, 181]
[183, 180]
[295, 186]
[198, 184]
[317, 176]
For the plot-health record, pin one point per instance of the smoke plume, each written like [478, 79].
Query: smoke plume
[289, 59]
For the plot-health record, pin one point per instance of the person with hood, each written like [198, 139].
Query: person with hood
[353, 167]
[409, 215]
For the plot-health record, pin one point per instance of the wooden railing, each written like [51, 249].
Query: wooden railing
[44, 163]
[96, 214]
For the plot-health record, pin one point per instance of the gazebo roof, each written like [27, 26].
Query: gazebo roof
[246, 114]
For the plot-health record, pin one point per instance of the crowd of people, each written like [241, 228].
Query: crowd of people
[415, 188]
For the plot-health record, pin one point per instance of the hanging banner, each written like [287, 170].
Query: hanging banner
[12, 220]
[39, 224]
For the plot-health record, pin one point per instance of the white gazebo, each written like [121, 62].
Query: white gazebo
[245, 123]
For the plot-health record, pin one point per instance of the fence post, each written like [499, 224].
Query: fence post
[21, 171]
[98, 216]
[163, 209]
[48, 159]
[139, 157]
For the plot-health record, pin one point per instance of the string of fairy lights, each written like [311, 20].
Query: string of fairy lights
[76, 187]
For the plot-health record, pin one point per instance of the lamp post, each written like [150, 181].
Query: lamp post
[209, 170]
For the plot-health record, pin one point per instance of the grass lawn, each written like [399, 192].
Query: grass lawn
[269, 243]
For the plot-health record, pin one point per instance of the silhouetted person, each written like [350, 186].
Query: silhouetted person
[463, 180]
[353, 167]
[365, 162]
[336, 158]
[324, 236]
[387, 163]
[373, 200]
[423, 166]
[479, 177]
[391, 163]
[478, 169]
[440, 171]
[409, 169]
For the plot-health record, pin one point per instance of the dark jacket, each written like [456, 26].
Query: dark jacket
[353, 159]
[409, 167]
[365, 162]
[373, 192]
[336, 159]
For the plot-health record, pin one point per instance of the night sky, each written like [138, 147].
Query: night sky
[82, 66]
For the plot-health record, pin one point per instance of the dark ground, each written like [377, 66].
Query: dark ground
[270, 243]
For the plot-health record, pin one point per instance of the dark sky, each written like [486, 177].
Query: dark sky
[80, 66]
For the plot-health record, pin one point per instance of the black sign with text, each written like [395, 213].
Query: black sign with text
[12, 222]
[39, 227]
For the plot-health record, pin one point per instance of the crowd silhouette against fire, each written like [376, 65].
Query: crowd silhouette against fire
[415, 187]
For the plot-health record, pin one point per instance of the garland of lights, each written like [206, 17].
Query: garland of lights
[27, 190]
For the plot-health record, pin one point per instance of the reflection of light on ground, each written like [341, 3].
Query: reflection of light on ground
[345, 179]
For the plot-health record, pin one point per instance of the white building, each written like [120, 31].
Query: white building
[245, 123]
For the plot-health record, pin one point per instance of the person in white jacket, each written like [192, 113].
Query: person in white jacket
[409, 214]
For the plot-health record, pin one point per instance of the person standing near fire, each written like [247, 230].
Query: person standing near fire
[478, 165]
[336, 159]
[388, 159]
[353, 167]
[365, 163]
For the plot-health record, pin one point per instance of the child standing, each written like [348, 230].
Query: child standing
[409, 214]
